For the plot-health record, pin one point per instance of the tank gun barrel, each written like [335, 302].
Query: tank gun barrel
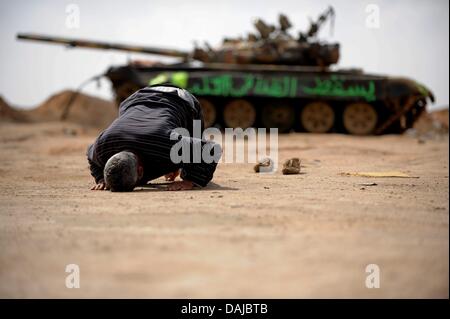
[74, 43]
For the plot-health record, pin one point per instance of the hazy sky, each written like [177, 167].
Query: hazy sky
[412, 39]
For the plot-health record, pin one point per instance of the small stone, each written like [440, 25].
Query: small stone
[264, 165]
[291, 166]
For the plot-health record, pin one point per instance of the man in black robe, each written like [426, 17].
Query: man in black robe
[139, 145]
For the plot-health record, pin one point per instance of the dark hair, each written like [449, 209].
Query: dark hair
[120, 172]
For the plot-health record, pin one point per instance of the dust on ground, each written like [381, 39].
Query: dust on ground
[245, 235]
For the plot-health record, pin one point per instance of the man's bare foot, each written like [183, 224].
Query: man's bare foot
[99, 187]
[180, 186]
[171, 176]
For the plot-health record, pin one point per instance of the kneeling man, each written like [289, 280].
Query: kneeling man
[139, 145]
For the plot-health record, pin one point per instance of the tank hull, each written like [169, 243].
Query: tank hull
[290, 98]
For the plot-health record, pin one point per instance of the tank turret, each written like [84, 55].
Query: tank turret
[272, 45]
[275, 45]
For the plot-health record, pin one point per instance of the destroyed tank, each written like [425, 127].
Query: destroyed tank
[273, 79]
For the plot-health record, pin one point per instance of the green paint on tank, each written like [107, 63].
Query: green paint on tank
[179, 79]
[227, 85]
[159, 79]
[337, 87]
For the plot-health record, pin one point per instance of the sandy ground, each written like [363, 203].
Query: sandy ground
[245, 235]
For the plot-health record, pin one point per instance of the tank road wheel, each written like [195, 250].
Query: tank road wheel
[360, 118]
[125, 90]
[209, 112]
[239, 113]
[317, 117]
[279, 116]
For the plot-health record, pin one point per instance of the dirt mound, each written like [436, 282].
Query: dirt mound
[84, 110]
[9, 114]
[441, 116]
[434, 123]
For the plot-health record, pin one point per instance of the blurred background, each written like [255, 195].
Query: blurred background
[412, 38]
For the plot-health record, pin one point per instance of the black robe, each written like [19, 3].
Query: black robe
[146, 121]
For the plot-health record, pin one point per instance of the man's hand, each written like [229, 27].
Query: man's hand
[100, 186]
[180, 186]
[171, 176]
